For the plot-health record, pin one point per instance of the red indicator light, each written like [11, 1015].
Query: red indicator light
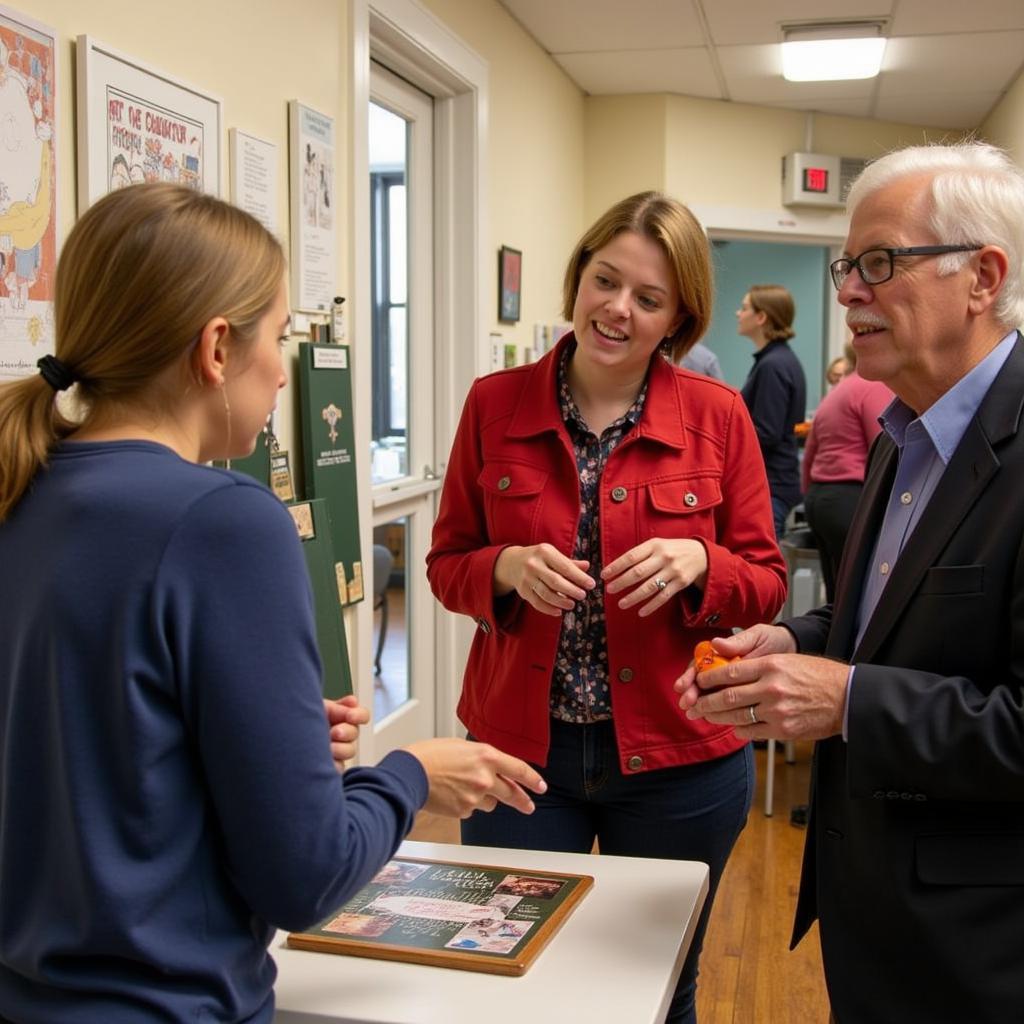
[815, 179]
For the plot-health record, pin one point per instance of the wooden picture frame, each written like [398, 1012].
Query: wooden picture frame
[510, 282]
[136, 123]
[470, 917]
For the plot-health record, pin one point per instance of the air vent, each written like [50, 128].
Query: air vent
[849, 168]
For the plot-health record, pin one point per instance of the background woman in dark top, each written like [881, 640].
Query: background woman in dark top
[775, 391]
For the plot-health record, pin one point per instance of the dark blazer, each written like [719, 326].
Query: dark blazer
[914, 863]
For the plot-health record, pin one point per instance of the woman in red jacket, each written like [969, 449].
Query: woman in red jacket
[603, 510]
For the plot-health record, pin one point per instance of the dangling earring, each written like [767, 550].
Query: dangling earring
[227, 413]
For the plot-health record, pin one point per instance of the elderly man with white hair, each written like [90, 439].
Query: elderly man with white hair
[912, 682]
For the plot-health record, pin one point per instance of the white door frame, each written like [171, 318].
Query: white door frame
[408, 39]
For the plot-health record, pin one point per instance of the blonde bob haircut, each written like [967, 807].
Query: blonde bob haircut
[141, 273]
[673, 227]
[777, 305]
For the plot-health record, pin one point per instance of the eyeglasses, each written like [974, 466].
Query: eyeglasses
[875, 266]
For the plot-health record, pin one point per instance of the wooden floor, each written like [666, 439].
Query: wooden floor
[747, 974]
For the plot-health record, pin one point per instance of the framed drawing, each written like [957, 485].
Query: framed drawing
[28, 191]
[311, 187]
[139, 124]
[510, 275]
[473, 917]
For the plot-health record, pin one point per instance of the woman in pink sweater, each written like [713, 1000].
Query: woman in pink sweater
[835, 456]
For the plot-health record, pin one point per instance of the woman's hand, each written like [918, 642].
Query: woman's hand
[344, 716]
[466, 776]
[543, 577]
[656, 571]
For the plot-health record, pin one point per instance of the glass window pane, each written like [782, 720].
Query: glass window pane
[397, 239]
[399, 363]
[391, 687]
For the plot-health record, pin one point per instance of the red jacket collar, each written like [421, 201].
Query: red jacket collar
[537, 410]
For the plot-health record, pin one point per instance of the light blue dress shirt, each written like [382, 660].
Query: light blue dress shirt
[926, 444]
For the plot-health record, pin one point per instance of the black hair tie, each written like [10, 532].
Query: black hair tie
[55, 373]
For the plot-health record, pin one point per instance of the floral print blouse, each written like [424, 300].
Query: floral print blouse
[579, 688]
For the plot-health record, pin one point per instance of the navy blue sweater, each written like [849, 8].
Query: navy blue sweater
[167, 793]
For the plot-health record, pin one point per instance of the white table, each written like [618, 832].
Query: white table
[616, 959]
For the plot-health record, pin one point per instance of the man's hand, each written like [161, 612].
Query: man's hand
[791, 696]
[344, 717]
[466, 777]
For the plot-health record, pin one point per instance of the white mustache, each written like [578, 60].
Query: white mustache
[865, 319]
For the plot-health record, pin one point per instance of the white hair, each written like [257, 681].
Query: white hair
[977, 198]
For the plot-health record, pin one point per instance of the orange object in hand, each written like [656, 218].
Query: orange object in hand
[705, 657]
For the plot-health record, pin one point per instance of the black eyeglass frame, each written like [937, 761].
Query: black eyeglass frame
[853, 262]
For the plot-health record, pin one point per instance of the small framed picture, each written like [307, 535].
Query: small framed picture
[510, 279]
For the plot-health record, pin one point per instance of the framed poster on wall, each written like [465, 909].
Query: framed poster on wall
[311, 186]
[28, 191]
[136, 123]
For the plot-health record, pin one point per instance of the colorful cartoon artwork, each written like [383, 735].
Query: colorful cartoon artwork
[145, 142]
[28, 233]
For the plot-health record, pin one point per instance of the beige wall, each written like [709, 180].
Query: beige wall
[712, 153]
[234, 49]
[536, 157]
[1004, 126]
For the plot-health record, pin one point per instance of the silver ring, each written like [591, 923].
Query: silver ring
[754, 720]
[660, 583]
[534, 586]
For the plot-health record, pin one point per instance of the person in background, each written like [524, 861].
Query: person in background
[603, 511]
[700, 359]
[839, 367]
[169, 793]
[912, 681]
[775, 391]
[835, 458]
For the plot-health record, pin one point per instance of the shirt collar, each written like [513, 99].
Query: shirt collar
[945, 422]
[567, 404]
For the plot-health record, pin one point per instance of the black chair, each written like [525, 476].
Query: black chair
[383, 561]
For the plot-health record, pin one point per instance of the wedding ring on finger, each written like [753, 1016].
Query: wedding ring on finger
[754, 720]
[660, 583]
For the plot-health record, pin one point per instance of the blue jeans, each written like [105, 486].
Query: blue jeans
[780, 510]
[691, 812]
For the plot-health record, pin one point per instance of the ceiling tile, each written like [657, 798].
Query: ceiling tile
[926, 17]
[981, 62]
[579, 26]
[686, 71]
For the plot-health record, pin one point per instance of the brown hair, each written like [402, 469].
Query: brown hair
[777, 305]
[139, 275]
[666, 221]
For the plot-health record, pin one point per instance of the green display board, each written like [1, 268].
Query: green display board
[328, 453]
[311, 522]
[474, 917]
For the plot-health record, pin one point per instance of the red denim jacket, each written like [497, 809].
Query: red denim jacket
[691, 467]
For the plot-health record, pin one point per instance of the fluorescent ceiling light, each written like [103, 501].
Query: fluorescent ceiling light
[828, 53]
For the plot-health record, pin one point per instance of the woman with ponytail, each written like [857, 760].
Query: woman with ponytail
[168, 790]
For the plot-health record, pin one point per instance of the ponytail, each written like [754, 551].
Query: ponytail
[30, 425]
